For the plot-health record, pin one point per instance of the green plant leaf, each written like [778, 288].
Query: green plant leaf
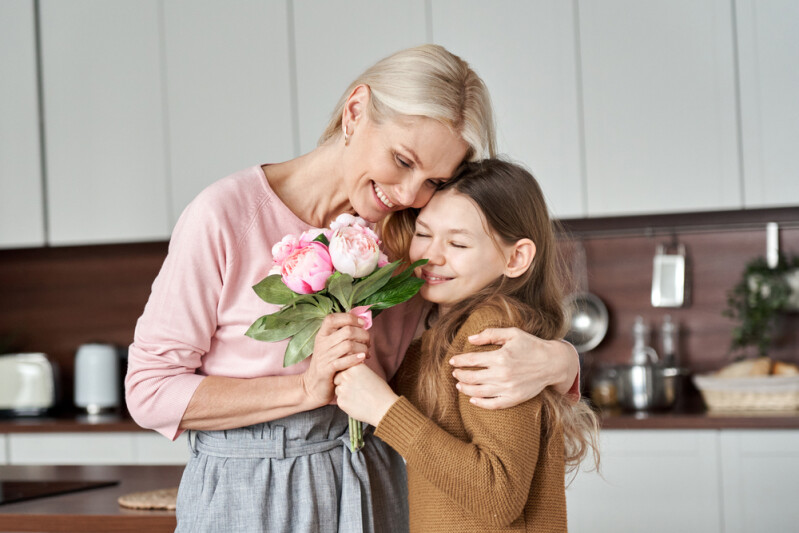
[324, 304]
[389, 297]
[300, 312]
[321, 238]
[405, 274]
[372, 283]
[301, 345]
[271, 328]
[340, 286]
[271, 289]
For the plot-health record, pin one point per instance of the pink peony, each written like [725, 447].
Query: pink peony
[307, 268]
[281, 250]
[363, 311]
[354, 250]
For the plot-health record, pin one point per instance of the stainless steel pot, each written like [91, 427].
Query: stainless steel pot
[644, 387]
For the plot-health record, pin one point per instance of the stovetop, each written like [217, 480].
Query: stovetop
[12, 491]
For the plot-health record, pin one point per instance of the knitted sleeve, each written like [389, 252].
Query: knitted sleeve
[489, 475]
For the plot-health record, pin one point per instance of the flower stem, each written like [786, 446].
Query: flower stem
[356, 435]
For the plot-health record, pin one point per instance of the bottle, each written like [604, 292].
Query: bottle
[669, 338]
[643, 354]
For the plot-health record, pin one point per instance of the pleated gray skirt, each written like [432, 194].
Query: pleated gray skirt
[293, 475]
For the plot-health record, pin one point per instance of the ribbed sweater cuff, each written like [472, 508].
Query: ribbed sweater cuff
[400, 426]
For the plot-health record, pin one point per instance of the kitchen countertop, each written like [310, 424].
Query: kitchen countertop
[89, 510]
[688, 415]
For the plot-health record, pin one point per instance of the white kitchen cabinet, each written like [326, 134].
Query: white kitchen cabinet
[760, 480]
[335, 41]
[70, 448]
[651, 480]
[104, 108]
[659, 105]
[229, 91]
[155, 449]
[119, 448]
[21, 201]
[526, 54]
[3, 450]
[768, 73]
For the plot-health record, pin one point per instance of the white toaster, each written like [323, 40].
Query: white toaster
[27, 384]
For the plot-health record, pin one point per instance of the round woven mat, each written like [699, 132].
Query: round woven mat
[152, 499]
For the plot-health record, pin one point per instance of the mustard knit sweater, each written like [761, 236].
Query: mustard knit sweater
[475, 470]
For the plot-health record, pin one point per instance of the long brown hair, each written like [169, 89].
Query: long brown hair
[514, 208]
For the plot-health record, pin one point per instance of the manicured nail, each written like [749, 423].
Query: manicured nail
[472, 400]
[452, 361]
[361, 322]
[472, 337]
[361, 356]
[458, 386]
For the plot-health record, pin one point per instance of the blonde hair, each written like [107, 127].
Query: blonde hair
[427, 81]
[514, 208]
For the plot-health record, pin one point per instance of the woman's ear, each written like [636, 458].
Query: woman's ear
[521, 257]
[355, 106]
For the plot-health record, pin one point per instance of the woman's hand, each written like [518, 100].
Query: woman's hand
[340, 344]
[363, 395]
[519, 370]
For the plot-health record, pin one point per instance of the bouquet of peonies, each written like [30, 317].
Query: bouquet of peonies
[338, 270]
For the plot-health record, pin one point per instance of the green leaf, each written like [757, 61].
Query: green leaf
[340, 286]
[321, 238]
[301, 345]
[389, 297]
[300, 312]
[271, 289]
[324, 304]
[405, 274]
[271, 328]
[372, 283]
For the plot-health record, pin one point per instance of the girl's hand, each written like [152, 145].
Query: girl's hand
[363, 395]
[340, 344]
[519, 370]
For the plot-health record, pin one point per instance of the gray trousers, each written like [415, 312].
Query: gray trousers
[292, 475]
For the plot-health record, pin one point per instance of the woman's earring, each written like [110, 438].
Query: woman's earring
[346, 137]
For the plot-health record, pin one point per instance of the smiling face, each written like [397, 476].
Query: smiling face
[397, 164]
[451, 233]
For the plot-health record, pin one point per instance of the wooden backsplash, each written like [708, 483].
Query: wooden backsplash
[55, 299]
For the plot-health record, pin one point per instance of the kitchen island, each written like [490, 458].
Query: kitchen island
[89, 510]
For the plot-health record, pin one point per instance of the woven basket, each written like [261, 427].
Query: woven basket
[766, 393]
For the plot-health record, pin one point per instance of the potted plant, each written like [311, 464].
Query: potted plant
[757, 299]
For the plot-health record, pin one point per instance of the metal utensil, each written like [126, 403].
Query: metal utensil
[588, 322]
[647, 387]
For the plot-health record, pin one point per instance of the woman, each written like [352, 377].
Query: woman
[269, 452]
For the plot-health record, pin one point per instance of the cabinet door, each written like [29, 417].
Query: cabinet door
[659, 106]
[153, 449]
[335, 41]
[229, 88]
[651, 480]
[70, 448]
[768, 55]
[526, 54]
[104, 121]
[21, 202]
[760, 473]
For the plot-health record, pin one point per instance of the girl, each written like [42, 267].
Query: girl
[492, 259]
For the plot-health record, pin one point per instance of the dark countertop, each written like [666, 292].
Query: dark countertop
[69, 423]
[89, 510]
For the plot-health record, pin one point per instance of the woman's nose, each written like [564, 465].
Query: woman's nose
[408, 192]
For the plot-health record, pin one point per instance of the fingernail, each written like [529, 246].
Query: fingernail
[458, 386]
[452, 361]
[472, 400]
[472, 337]
[361, 355]
[361, 322]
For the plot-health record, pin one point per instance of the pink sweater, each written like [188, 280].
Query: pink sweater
[202, 302]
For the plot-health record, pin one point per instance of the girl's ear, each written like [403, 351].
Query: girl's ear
[520, 259]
